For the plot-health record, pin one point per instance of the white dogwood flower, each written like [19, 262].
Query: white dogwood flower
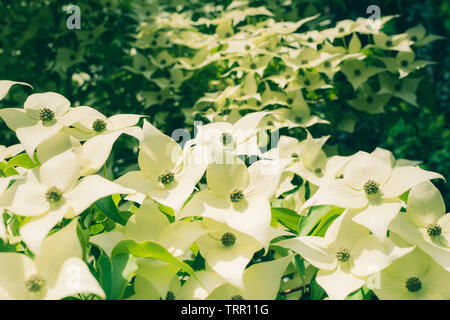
[372, 186]
[346, 256]
[56, 273]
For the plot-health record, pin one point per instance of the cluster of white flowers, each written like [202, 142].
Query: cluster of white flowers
[370, 239]
[225, 216]
[266, 63]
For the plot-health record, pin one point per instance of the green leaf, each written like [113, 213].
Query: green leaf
[22, 160]
[288, 218]
[308, 223]
[109, 208]
[325, 222]
[150, 249]
[115, 274]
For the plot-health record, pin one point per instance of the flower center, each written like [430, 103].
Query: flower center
[404, 63]
[307, 82]
[389, 43]
[371, 187]
[166, 177]
[170, 295]
[236, 195]
[341, 30]
[228, 239]
[413, 284]
[357, 72]
[237, 297]
[434, 230]
[327, 64]
[35, 283]
[226, 138]
[45, 114]
[343, 254]
[369, 99]
[253, 66]
[99, 125]
[289, 101]
[53, 195]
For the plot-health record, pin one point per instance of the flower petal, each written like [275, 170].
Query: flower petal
[73, 277]
[61, 171]
[404, 178]
[89, 190]
[364, 167]
[377, 217]
[338, 283]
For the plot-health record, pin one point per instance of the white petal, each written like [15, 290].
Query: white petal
[377, 217]
[89, 190]
[339, 194]
[97, 150]
[147, 223]
[364, 167]
[35, 230]
[57, 248]
[313, 249]
[404, 178]
[28, 199]
[158, 152]
[338, 283]
[31, 136]
[425, 204]
[222, 178]
[371, 255]
[107, 241]
[51, 100]
[262, 280]
[122, 121]
[15, 269]
[73, 277]
[5, 85]
[61, 171]
[265, 177]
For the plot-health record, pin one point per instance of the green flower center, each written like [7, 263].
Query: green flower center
[327, 64]
[237, 297]
[413, 38]
[298, 119]
[357, 72]
[304, 61]
[318, 172]
[35, 283]
[53, 195]
[247, 47]
[413, 284]
[45, 114]
[310, 40]
[99, 125]
[166, 177]
[289, 101]
[270, 123]
[236, 195]
[227, 139]
[398, 87]
[253, 66]
[341, 30]
[228, 239]
[294, 155]
[434, 230]
[307, 82]
[371, 187]
[170, 295]
[389, 43]
[404, 63]
[343, 254]
[369, 99]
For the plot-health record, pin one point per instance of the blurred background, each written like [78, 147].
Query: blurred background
[97, 66]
